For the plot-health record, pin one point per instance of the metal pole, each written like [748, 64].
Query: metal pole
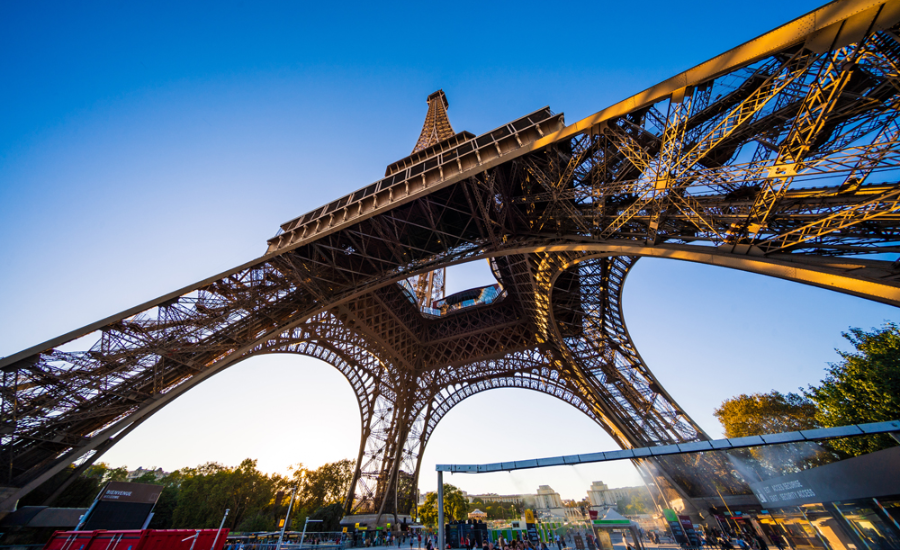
[84, 518]
[286, 518]
[441, 545]
[303, 534]
[215, 540]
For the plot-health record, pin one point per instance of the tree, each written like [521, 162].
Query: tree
[766, 413]
[164, 510]
[147, 477]
[259, 521]
[456, 506]
[773, 412]
[863, 387]
[631, 505]
[331, 518]
[208, 490]
[324, 486]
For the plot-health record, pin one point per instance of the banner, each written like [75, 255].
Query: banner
[690, 532]
[675, 526]
[123, 491]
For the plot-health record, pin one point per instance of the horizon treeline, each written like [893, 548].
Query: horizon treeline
[198, 497]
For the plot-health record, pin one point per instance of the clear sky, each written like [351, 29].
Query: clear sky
[145, 146]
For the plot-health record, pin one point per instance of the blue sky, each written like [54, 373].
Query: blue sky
[145, 146]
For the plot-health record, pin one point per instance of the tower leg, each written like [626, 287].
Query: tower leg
[384, 490]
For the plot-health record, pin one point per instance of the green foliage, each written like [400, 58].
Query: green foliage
[331, 518]
[633, 505]
[207, 491]
[165, 507]
[863, 387]
[773, 412]
[456, 506]
[324, 486]
[765, 413]
[198, 497]
[104, 473]
[148, 477]
[259, 521]
[496, 510]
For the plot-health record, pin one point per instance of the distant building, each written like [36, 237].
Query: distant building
[546, 503]
[494, 497]
[477, 514]
[547, 499]
[602, 497]
[157, 473]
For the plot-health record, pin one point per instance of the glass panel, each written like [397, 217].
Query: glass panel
[790, 529]
[892, 509]
[829, 527]
[869, 526]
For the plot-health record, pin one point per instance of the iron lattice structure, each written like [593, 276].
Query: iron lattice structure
[779, 157]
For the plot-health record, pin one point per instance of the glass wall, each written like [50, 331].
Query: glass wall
[875, 531]
[864, 524]
[790, 528]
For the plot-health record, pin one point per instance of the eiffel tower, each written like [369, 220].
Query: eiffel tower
[779, 157]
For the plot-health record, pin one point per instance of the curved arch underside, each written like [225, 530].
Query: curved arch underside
[786, 164]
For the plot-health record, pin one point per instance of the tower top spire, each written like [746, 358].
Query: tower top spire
[437, 126]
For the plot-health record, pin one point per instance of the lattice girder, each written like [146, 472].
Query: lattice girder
[698, 173]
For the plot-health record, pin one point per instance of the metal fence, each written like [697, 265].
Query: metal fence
[270, 545]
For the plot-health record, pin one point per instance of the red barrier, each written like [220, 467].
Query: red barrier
[148, 539]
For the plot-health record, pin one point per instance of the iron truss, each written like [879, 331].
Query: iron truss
[779, 157]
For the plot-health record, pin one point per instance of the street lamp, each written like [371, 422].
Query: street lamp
[286, 518]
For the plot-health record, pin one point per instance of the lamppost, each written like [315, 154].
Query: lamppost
[286, 518]
[440, 511]
[215, 540]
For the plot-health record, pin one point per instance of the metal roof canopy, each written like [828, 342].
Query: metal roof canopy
[820, 434]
